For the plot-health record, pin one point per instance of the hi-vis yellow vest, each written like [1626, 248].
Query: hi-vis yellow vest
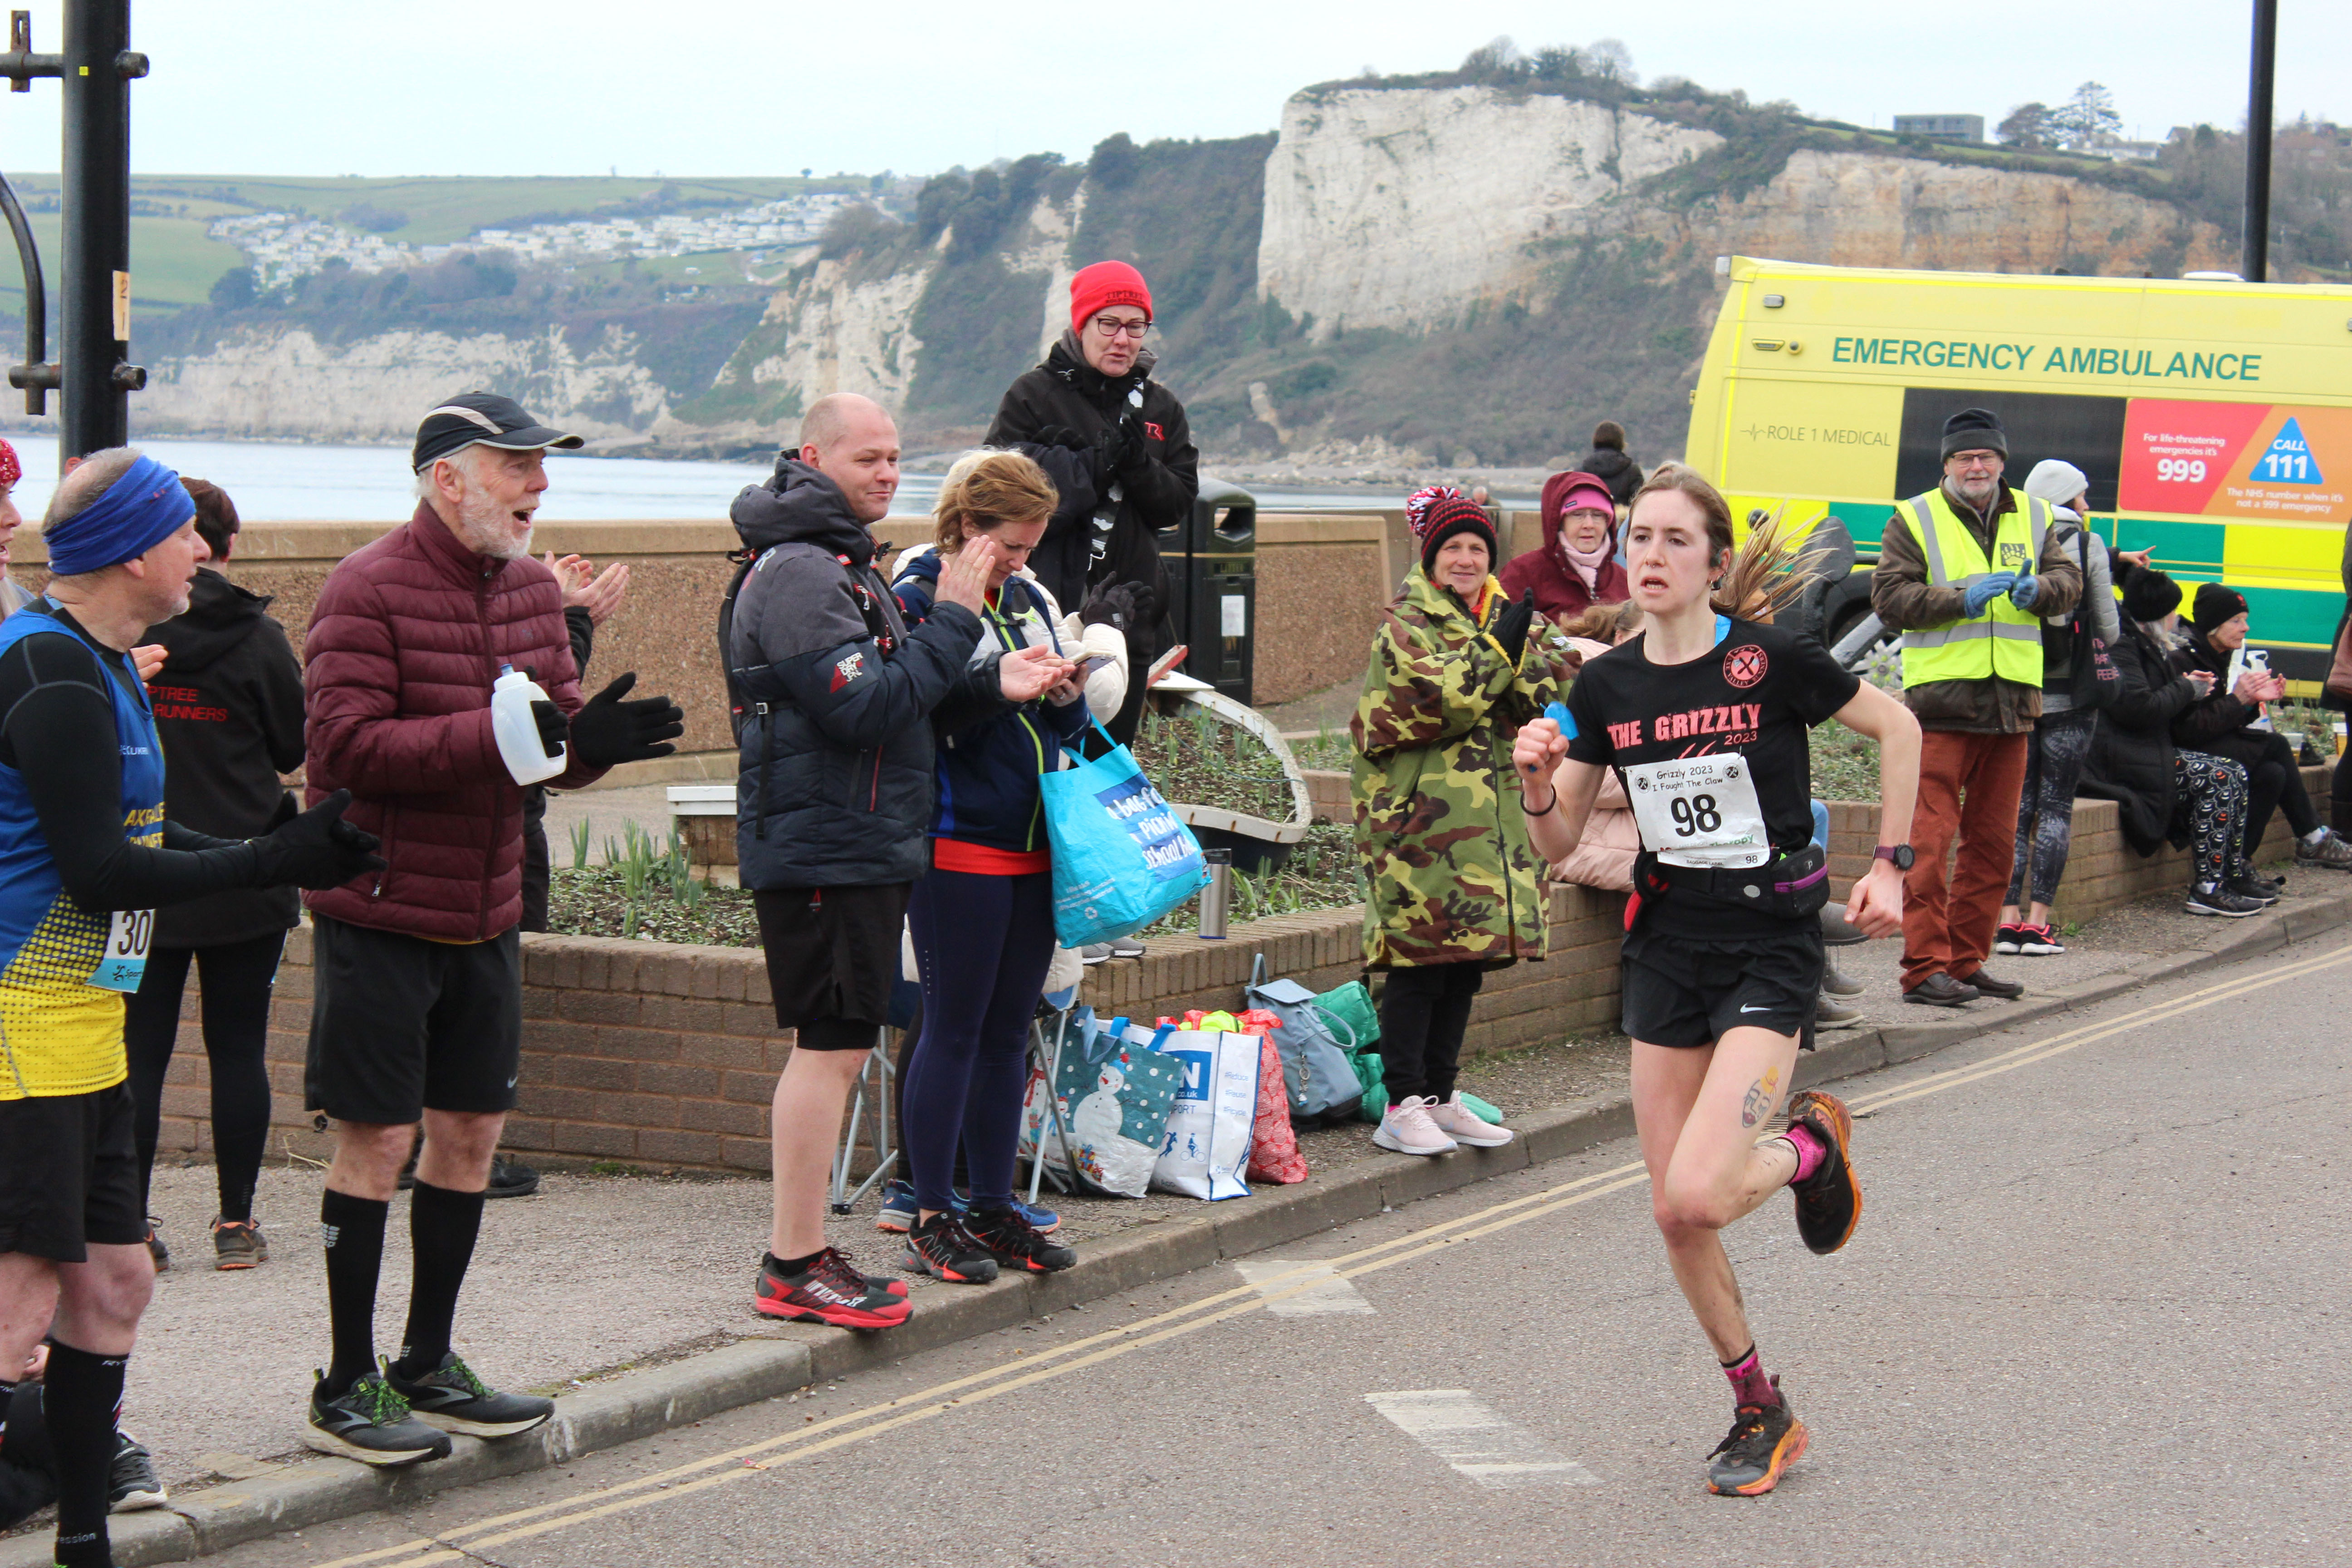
[2004, 640]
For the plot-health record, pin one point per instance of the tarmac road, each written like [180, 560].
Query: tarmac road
[2093, 1315]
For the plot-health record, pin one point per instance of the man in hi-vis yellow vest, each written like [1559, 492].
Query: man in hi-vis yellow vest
[1965, 573]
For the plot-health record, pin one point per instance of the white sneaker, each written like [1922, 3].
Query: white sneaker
[1463, 1125]
[1408, 1129]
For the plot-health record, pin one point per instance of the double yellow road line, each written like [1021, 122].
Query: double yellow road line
[816, 1437]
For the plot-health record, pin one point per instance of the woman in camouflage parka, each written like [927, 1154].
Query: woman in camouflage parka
[1453, 888]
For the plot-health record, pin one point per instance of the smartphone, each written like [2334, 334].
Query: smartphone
[1088, 666]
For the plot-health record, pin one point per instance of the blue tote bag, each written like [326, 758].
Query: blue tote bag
[1122, 858]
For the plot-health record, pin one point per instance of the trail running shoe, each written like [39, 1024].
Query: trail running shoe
[2330, 854]
[2008, 939]
[2212, 899]
[1044, 1220]
[131, 1483]
[2038, 941]
[899, 1210]
[1764, 1441]
[1829, 1201]
[370, 1422]
[830, 1290]
[452, 1398]
[238, 1244]
[1015, 1243]
[941, 1246]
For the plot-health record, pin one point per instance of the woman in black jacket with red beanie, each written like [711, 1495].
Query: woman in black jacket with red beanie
[228, 708]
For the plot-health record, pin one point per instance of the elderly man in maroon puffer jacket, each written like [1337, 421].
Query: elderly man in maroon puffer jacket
[417, 1014]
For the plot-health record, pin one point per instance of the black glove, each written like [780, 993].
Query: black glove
[1061, 435]
[1119, 449]
[316, 848]
[554, 729]
[608, 731]
[1511, 625]
[1117, 604]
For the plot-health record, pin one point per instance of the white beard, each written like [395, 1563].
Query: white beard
[487, 528]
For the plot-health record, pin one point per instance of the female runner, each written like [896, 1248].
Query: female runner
[1703, 715]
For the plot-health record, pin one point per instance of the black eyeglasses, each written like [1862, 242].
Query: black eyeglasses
[1112, 327]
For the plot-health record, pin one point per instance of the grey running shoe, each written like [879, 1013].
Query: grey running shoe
[1836, 982]
[1765, 1441]
[1094, 953]
[238, 1244]
[370, 1422]
[1829, 1013]
[2330, 854]
[452, 1398]
[131, 1483]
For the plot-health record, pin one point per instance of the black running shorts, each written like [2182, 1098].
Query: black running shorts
[399, 1024]
[832, 953]
[70, 1175]
[1686, 991]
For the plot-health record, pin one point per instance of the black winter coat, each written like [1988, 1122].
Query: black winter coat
[228, 708]
[2130, 761]
[1615, 470]
[2204, 724]
[1157, 488]
[835, 695]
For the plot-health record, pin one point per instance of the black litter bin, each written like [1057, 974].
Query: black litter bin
[1212, 563]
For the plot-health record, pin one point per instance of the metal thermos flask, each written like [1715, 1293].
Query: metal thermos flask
[1217, 897]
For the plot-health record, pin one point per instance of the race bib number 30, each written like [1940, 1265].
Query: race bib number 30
[125, 960]
[1699, 812]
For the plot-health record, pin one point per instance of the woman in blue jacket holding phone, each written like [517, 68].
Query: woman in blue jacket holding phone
[983, 916]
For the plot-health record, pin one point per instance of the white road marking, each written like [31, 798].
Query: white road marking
[1457, 1425]
[1325, 1292]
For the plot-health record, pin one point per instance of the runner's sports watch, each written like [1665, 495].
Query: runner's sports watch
[1898, 853]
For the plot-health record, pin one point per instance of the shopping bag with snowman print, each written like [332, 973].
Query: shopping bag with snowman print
[1113, 1093]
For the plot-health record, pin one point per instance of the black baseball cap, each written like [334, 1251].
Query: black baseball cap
[482, 418]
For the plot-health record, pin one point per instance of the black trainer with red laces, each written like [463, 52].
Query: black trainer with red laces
[829, 1290]
[1829, 1201]
[1015, 1243]
[941, 1246]
[1765, 1441]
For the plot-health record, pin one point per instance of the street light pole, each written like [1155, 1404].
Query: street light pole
[2257, 239]
[96, 281]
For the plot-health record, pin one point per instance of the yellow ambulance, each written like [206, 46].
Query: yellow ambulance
[2212, 417]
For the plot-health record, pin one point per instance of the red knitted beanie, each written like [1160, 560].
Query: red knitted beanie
[1103, 284]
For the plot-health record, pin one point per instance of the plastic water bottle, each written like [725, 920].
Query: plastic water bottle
[517, 732]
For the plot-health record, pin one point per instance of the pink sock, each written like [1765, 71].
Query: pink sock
[1811, 1149]
[1748, 1384]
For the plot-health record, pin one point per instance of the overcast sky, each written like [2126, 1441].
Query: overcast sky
[764, 87]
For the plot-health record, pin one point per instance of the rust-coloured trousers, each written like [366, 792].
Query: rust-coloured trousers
[1969, 786]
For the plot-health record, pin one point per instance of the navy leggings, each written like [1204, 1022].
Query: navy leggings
[984, 944]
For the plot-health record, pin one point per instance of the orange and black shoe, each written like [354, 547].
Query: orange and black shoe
[1015, 1243]
[829, 1290]
[1829, 1201]
[1765, 1441]
[941, 1246]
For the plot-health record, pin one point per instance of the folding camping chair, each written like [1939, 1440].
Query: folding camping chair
[878, 1080]
[1058, 1006]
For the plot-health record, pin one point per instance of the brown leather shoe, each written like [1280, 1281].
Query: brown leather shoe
[2007, 990]
[1941, 991]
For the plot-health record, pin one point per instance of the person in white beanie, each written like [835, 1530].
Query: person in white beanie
[2062, 736]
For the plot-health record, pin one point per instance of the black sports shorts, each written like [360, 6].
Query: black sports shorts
[399, 1024]
[70, 1175]
[1689, 990]
[832, 953]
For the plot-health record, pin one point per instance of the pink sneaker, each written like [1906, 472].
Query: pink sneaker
[1408, 1129]
[1463, 1125]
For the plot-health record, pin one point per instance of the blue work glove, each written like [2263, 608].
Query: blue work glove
[2024, 591]
[1983, 592]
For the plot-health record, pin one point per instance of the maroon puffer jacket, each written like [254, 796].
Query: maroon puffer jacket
[408, 636]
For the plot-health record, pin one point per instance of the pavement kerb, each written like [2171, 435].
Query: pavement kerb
[643, 1404]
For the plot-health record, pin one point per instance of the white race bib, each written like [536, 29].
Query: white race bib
[128, 933]
[1699, 812]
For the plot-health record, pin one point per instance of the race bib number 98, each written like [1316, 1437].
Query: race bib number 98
[1699, 812]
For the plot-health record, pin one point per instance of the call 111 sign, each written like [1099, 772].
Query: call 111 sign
[2273, 461]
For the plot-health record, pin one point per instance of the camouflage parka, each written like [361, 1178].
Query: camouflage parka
[1449, 874]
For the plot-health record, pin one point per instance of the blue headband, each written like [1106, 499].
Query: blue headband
[131, 516]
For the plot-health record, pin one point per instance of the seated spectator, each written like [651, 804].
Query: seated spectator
[2165, 792]
[1576, 567]
[2222, 722]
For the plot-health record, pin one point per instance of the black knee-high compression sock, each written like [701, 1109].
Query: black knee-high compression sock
[83, 1390]
[353, 1229]
[442, 1226]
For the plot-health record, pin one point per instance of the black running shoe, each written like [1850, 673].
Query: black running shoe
[132, 1484]
[1764, 1441]
[1015, 1243]
[830, 1290]
[452, 1398]
[370, 1422]
[941, 1246]
[2260, 889]
[511, 1179]
[1829, 1201]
